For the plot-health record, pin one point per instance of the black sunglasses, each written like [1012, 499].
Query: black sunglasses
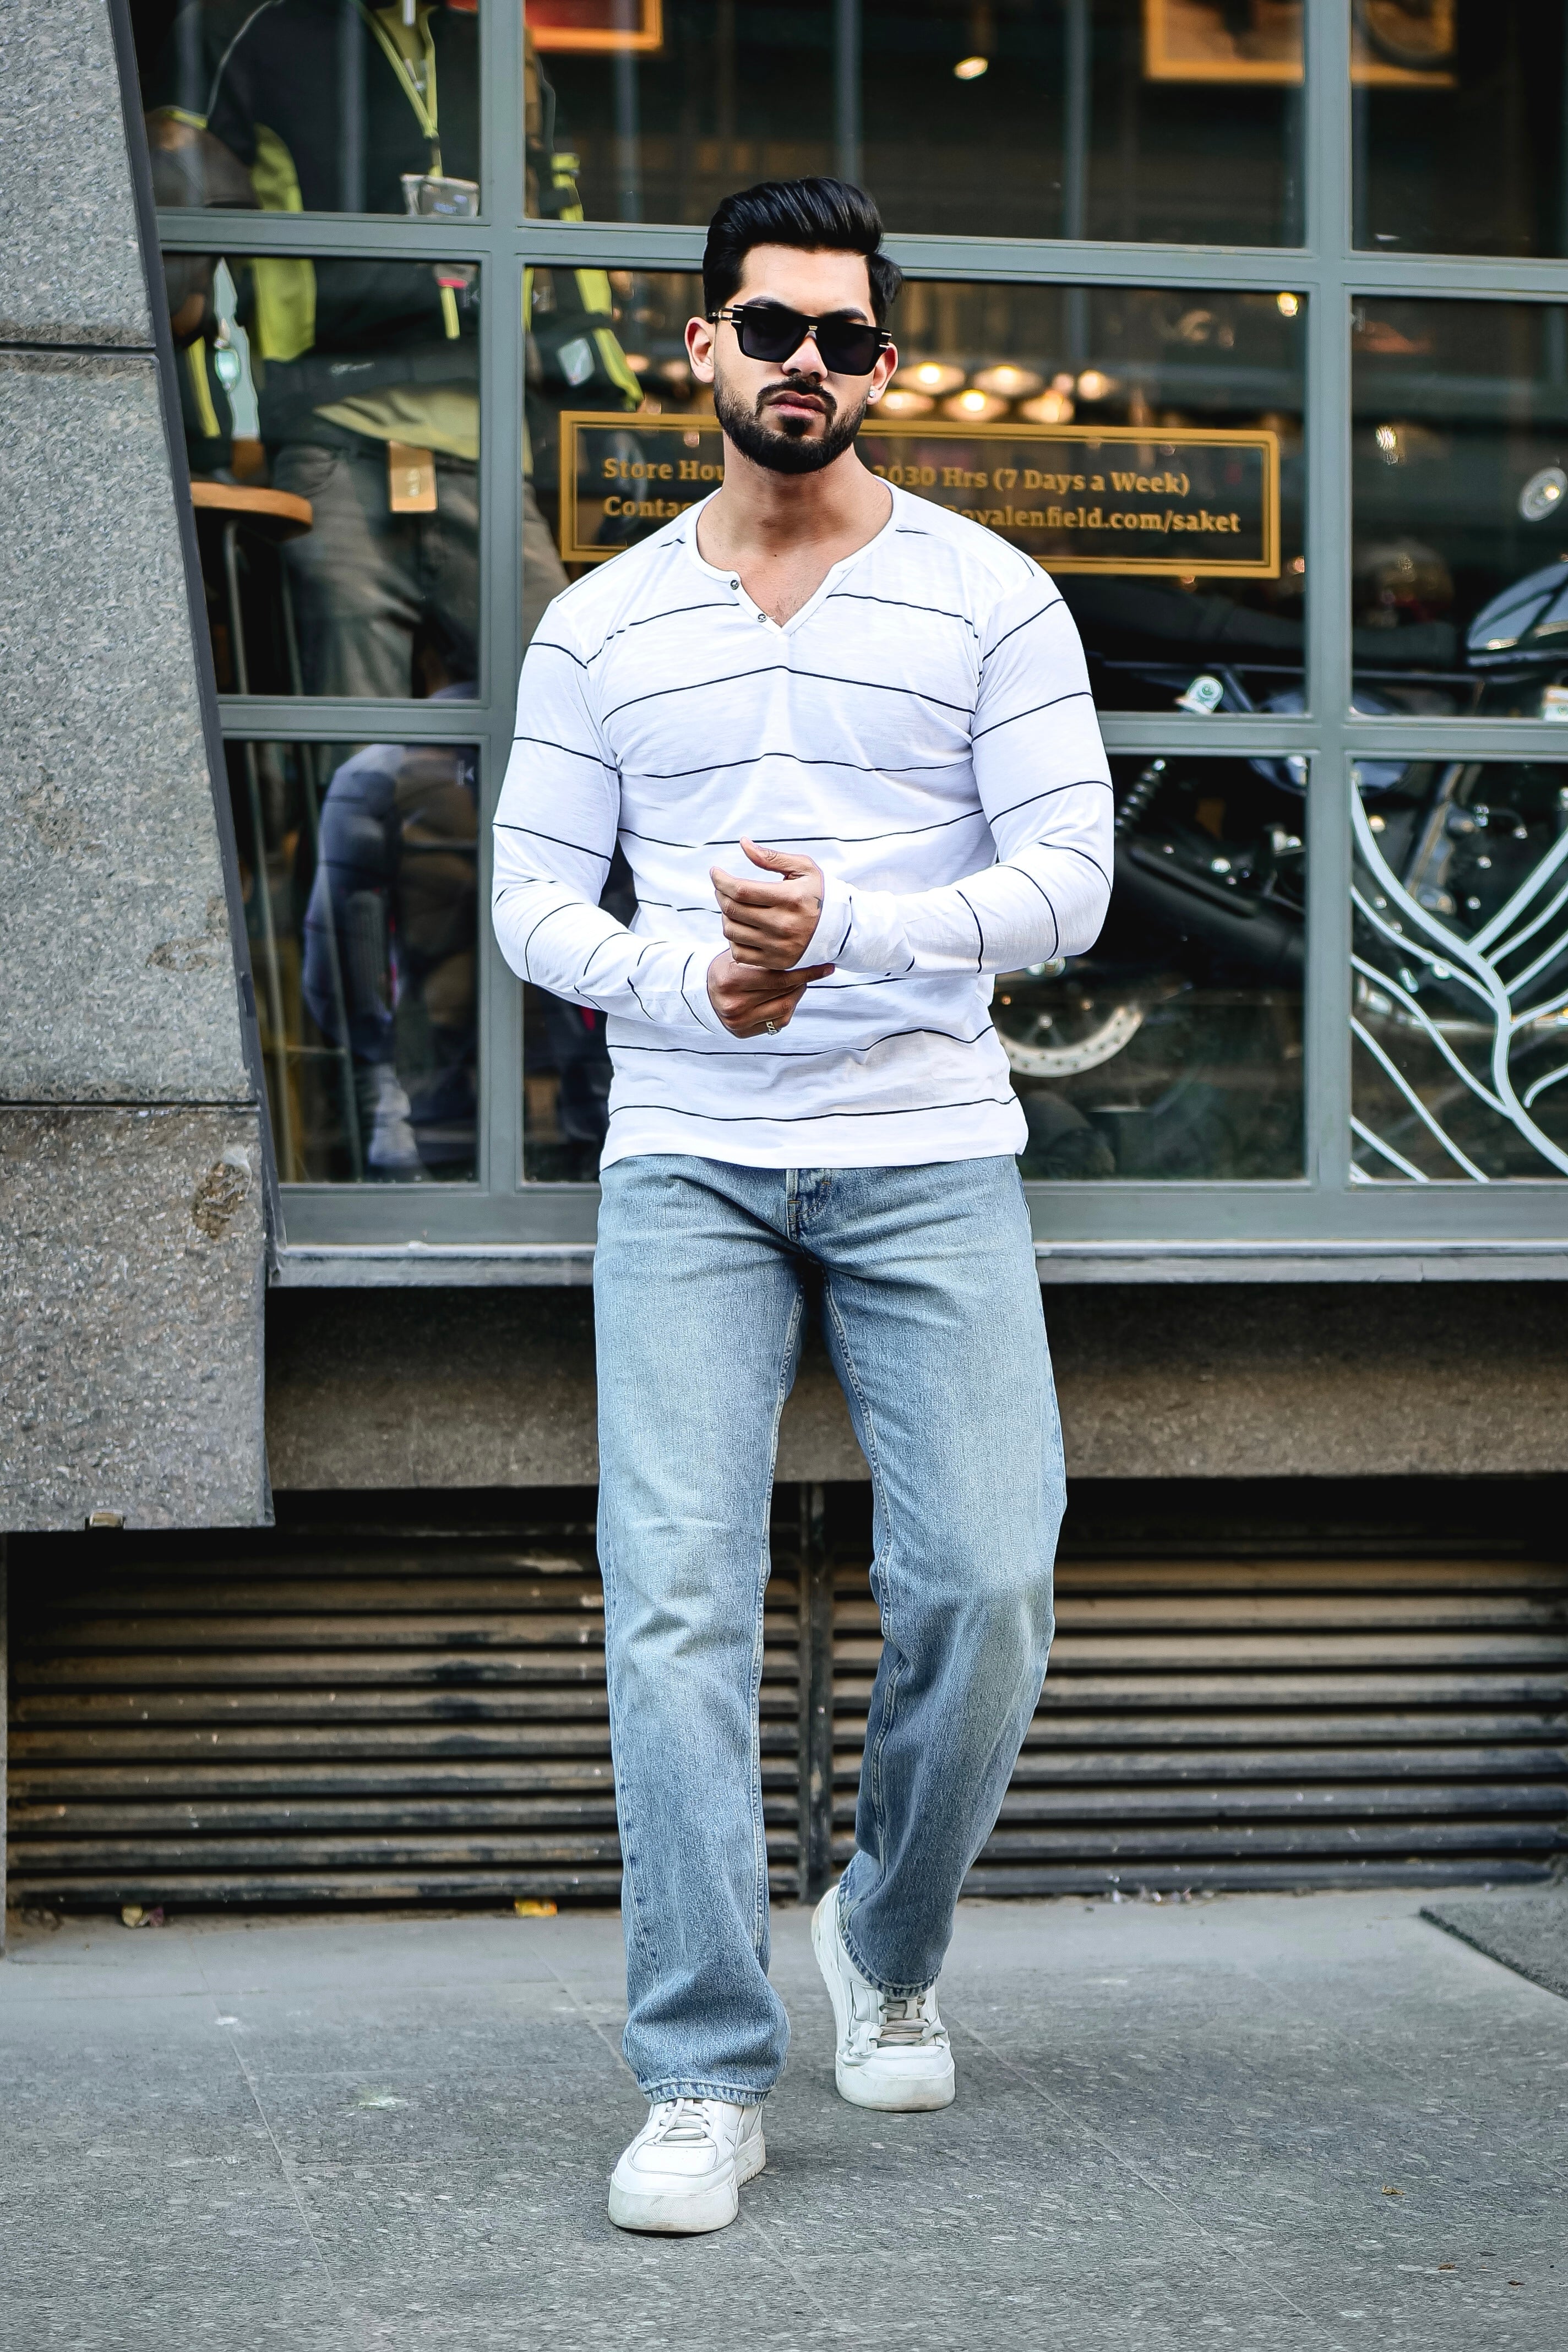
[767, 330]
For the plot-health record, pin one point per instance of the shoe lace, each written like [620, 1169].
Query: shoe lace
[686, 2123]
[901, 2024]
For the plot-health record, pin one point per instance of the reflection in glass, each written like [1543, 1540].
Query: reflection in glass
[358, 869]
[331, 417]
[1001, 118]
[1459, 142]
[566, 1070]
[997, 409]
[328, 106]
[1460, 1011]
[1173, 1049]
[1460, 486]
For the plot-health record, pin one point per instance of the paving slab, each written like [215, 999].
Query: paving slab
[1528, 1932]
[1267, 2123]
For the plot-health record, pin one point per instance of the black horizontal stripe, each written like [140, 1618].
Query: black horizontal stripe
[696, 686]
[813, 760]
[685, 971]
[901, 604]
[548, 743]
[608, 939]
[775, 669]
[789, 840]
[534, 833]
[537, 643]
[642, 1008]
[815, 1117]
[885, 980]
[1056, 922]
[979, 930]
[1079, 694]
[1073, 850]
[803, 1053]
[671, 613]
[564, 908]
[1023, 625]
[876, 685]
[1050, 793]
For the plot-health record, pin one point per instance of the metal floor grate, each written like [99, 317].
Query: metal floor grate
[1271, 1722]
[330, 1712]
[398, 1720]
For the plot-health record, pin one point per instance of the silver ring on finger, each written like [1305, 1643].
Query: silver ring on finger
[772, 1028]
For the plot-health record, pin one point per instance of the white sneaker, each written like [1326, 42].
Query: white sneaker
[682, 2174]
[892, 2053]
[392, 1149]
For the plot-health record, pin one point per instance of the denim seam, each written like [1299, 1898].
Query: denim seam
[759, 1823]
[735, 2095]
[874, 1463]
[623, 1805]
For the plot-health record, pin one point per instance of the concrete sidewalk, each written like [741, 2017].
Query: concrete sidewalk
[1260, 2123]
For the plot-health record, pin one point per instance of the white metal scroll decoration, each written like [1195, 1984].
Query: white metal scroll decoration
[1532, 923]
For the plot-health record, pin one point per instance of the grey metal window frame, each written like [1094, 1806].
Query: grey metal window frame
[1316, 1226]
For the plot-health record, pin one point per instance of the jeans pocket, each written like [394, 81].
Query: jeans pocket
[305, 468]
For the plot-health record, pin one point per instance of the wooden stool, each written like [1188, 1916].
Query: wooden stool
[223, 509]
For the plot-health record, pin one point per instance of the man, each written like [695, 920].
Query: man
[846, 740]
[369, 395]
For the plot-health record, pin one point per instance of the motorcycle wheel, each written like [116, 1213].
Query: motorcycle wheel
[1028, 1058]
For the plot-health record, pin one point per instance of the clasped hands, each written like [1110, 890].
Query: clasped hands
[753, 986]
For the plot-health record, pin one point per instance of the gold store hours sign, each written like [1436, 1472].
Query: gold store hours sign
[1191, 501]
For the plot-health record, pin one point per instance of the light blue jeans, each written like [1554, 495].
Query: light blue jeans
[930, 1307]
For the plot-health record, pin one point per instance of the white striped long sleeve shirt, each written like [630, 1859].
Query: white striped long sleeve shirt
[923, 728]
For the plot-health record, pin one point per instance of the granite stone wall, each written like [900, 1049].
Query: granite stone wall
[473, 1388]
[132, 1191]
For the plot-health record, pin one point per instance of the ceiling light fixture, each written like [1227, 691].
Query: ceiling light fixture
[1051, 408]
[929, 375]
[901, 403]
[975, 407]
[1008, 381]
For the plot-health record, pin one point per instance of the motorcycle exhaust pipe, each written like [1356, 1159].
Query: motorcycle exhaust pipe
[1270, 944]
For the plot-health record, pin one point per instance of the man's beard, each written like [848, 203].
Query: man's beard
[783, 448]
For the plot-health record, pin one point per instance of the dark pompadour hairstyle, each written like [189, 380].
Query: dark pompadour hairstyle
[814, 216]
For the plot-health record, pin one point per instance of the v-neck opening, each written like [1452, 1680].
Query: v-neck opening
[830, 581]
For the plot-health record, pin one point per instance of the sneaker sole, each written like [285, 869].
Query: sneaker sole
[852, 2083]
[685, 2217]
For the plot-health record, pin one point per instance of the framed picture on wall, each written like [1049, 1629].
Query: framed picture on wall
[586, 25]
[1408, 42]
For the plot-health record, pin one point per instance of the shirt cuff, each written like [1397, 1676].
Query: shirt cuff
[695, 997]
[826, 943]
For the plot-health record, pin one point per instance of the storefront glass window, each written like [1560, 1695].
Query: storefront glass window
[359, 865]
[1459, 594]
[1461, 992]
[1457, 122]
[1142, 438]
[1172, 120]
[331, 415]
[317, 106]
[1144, 446]
[1172, 1050]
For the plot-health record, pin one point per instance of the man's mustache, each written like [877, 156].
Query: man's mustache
[816, 393]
